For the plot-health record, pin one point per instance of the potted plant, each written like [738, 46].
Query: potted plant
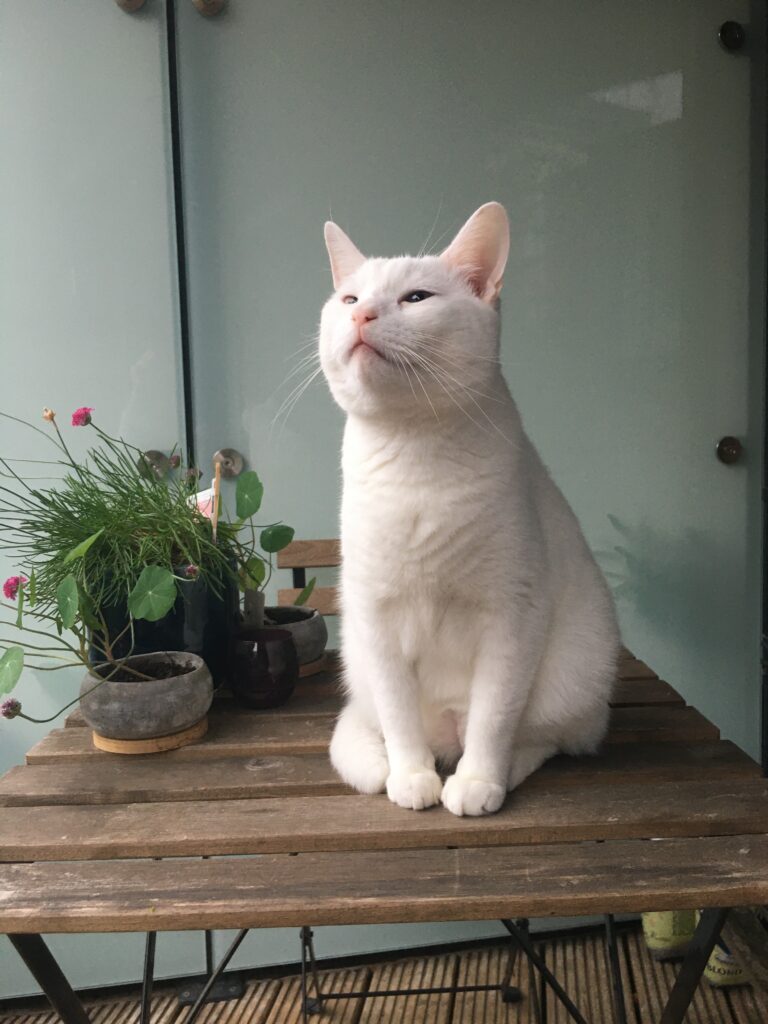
[114, 561]
[255, 567]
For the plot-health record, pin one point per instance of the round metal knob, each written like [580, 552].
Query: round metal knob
[231, 462]
[153, 463]
[732, 36]
[209, 7]
[729, 450]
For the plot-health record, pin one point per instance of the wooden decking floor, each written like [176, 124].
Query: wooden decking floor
[579, 962]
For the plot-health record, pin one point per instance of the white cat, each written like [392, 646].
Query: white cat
[478, 632]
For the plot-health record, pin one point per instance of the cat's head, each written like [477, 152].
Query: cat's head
[414, 334]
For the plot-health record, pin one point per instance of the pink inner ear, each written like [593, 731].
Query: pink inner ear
[479, 251]
[344, 255]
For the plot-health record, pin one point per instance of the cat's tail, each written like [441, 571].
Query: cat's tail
[358, 753]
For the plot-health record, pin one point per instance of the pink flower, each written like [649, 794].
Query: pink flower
[11, 586]
[82, 417]
[10, 708]
[192, 572]
[175, 461]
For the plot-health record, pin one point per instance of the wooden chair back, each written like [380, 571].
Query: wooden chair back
[301, 555]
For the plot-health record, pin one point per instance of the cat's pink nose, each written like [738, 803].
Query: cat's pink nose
[362, 315]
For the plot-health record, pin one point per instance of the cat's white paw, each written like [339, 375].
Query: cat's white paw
[414, 790]
[465, 795]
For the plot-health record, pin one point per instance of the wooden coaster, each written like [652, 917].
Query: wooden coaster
[156, 744]
[313, 667]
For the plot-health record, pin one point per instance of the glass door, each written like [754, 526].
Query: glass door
[88, 310]
[622, 140]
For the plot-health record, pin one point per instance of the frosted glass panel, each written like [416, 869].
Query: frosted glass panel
[619, 138]
[87, 307]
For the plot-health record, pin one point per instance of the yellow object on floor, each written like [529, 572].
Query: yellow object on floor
[668, 932]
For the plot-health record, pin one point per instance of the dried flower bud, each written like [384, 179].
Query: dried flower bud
[49, 414]
[10, 708]
[192, 572]
[175, 461]
[193, 473]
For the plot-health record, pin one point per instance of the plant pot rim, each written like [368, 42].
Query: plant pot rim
[193, 663]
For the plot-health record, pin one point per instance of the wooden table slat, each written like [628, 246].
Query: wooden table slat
[532, 814]
[153, 778]
[357, 888]
[251, 734]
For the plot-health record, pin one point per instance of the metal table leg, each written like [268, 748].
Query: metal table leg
[695, 960]
[49, 976]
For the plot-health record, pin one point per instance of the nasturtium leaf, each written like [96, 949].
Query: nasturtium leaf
[306, 593]
[154, 594]
[66, 599]
[275, 538]
[11, 664]
[248, 494]
[87, 610]
[253, 573]
[83, 546]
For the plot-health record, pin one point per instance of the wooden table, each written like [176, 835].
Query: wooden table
[90, 842]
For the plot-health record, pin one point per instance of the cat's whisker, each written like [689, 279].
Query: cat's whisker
[289, 403]
[440, 344]
[446, 389]
[431, 230]
[303, 364]
[459, 384]
[463, 388]
[426, 393]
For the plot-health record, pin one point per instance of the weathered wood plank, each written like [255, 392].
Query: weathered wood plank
[633, 668]
[321, 694]
[152, 779]
[639, 692]
[532, 814]
[324, 599]
[370, 888]
[310, 554]
[662, 724]
[257, 734]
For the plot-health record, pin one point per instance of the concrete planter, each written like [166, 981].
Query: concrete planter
[142, 709]
[306, 626]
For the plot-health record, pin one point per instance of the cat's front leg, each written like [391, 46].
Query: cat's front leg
[412, 781]
[500, 688]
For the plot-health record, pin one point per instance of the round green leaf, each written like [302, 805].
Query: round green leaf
[253, 573]
[67, 601]
[154, 594]
[248, 494]
[275, 538]
[11, 664]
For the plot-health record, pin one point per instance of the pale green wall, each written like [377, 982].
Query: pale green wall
[631, 339]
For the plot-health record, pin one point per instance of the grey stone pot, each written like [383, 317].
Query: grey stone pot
[145, 708]
[306, 625]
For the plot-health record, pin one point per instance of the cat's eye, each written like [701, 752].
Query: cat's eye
[418, 296]
[349, 299]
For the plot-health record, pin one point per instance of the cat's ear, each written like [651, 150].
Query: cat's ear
[344, 255]
[479, 251]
